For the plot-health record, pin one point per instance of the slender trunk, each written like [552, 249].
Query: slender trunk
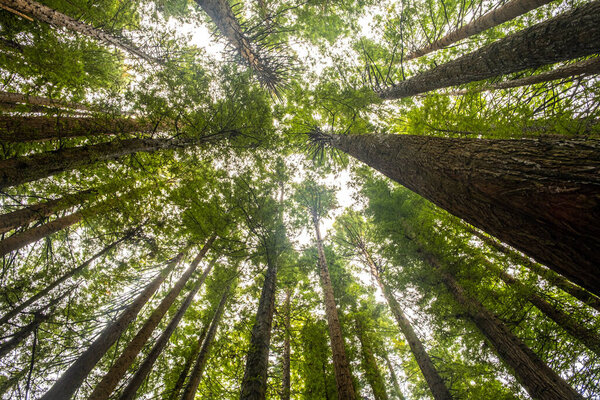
[74, 272]
[541, 196]
[40, 128]
[397, 390]
[537, 378]
[343, 376]
[6, 384]
[116, 372]
[196, 375]
[160, 344]
[23, 333]
[579, 293]
[187, 366]
[372, 371]
[504, 13]
[286, 362]
[588, 337]
[8, 97]
[434, 380]
[60, 20]
[73, 377]
[573, 34]
[19, 170]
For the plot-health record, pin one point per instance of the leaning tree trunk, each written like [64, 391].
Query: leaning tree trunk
[286, 362]
[196, 375]
[343, 376]
[397, 390]
[372, 371]
[573, 34]
[18, 98]
[60, 20]
[174, 394]
[118, 369]
[73, 377]
[541, 196]
[504, 13]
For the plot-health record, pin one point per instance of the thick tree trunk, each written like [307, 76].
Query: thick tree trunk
[18, 98]
[370, 366]
[40, 128]
[537, 378]
[541, 196]
[579, 293]
[390, 367]
[187, 366]
[60, 20]
[286, 362]
[196, 375]
[573, 34]
[504, 13]
[146, 366]
[19, 170]
[118, 369]
[343, 376]
[73, 377]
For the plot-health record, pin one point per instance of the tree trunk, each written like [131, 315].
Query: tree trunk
[504, 13]
[60, 20]
[186, 367]
[286, 362]
[196, 375]
[21, 129]
[537, 378]
[146, 366]
[397, 390]
[118, 369]
[343, 376]
[23, 333]
[372, 371]
[8, 97]
[573, 34]
[19, 170]
[73, 377]
[541, 196]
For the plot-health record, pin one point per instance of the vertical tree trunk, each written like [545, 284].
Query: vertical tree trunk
[187, 366]
[541, 196]
[504, 13]
[196, 375]
[286, 362]
[573, 34]
[73, 377]
[343, 376]
[8, 97]
[372, 371]
[116, 372]
[397, 390]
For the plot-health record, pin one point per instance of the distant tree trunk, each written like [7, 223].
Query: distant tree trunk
[372, 371]
[5, 385]
[579, 293]
[8, 97]
[541, 196]
[60, 20]
[21, 129]
[74, 272]
[397, 390]
[537, 378]
[196, 375]
[558, 39]
[146, 366]
[118, 369]
[343, 376]
[504, 13]
[186, 367]
[73, 377]
[23, 333]
[286, 362]
[19, 170]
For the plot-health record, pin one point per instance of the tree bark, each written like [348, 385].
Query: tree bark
[23, 333]
[187, 366]
[196, 375]
[504, 13]
[8, 97]
[60, 20]
[286, 362]
[541, 196]
[116, 372]
[343, 376]
[397, 390]
[73, 377]
[372, 371]
[573, 34]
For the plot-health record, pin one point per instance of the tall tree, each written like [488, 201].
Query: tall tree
[369, 362]
[9, 97]
[286, 357]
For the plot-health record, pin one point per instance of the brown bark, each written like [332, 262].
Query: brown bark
[541, 196]
[196, 375]
[118, 369]
[60, 20]
[41, 128]
[286, 362]
[343, 376]
[73, 377]
[397, 390]
[504, 13]
[18, 98]
[370, 366]
[573, 34]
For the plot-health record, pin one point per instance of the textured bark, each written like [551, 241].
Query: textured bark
[541, 196]
[535, 376]
[286, 359]
[118, 369]
[370, 366]
[196, 375]
[60, 20]
[573, 34]
[18, 98]
[19, 170]
[504, 13]
[73, 377]
[40, 128]
[343, 376]
[160, 344]
[390, 367]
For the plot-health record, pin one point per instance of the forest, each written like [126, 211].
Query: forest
[302, 199]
